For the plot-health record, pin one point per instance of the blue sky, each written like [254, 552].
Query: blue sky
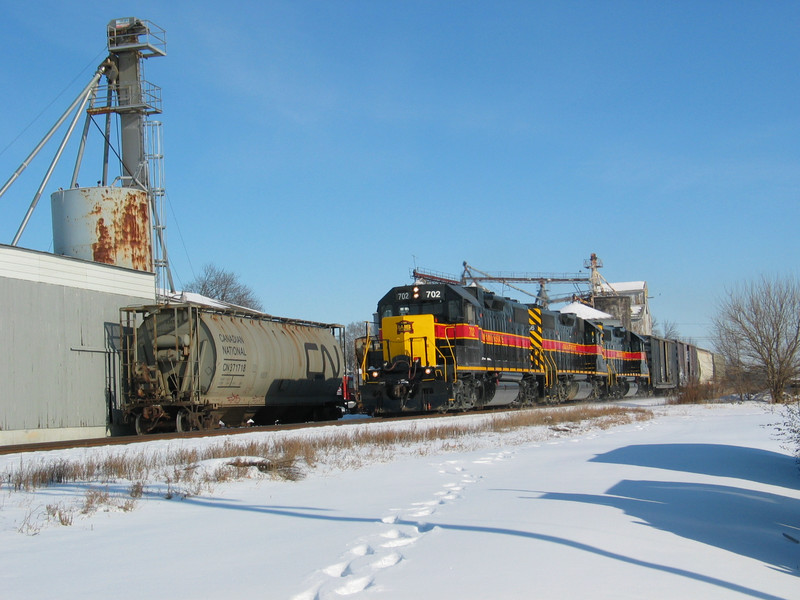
[322, 149]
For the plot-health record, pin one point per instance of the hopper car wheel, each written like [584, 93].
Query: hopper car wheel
[184, 421]
[142, 425]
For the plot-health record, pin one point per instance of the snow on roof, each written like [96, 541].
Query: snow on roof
[625, 286]
[196, 298]
[199, 299]
[584, 312]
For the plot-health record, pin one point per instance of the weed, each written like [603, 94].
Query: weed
[137, 489]
[29, 524]
[128, 505]
[59, 513]
[696, 393]
[94, 499]
[170, 492]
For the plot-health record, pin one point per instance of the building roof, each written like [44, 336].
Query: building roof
[625, 286]
[584, 312]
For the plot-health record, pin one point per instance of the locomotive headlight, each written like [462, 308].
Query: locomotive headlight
[428, 370]
[416, 292]
[375, 374]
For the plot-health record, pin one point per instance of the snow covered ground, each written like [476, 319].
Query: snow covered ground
[691, 504]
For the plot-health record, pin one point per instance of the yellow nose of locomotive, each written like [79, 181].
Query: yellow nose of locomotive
[413, 336]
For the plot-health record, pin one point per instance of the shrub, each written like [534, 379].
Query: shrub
[789, 428]
[696, 393]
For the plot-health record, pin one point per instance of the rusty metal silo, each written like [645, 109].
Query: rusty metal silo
[108, 225]
[114, 224]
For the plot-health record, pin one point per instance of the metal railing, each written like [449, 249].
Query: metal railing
[136, 34]
[135, 96]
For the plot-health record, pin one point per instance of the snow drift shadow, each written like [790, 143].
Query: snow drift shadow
[751, 464]
[428, 526]
[746, 522]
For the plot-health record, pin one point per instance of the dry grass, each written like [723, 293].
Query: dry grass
[185, 470]
[60, 513]
[600, 416]
[697, 394]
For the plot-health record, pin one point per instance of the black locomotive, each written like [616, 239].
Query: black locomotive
[443, 347]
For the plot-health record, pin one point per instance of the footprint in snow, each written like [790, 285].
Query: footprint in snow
[397, 539]
[424, 527]
[400, 542]
[338, 570]
[307, 595]
[392, 533]
[353, 586]
[362, 550]
[389, 560]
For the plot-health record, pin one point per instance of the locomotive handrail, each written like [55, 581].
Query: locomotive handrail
[424, 339]
[452, 353]
[550, 370]
[612, 371]
[444, 363]
[367, 344]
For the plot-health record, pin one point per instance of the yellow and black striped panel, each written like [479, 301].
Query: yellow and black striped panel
[535, 325]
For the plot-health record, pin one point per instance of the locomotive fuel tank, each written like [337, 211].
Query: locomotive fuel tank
[192, 366]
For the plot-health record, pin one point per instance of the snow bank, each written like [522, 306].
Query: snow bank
[697, 502]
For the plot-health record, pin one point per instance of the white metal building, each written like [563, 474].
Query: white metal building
[59, 326]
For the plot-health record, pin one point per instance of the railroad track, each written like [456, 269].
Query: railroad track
[229, 431]
[152, 437]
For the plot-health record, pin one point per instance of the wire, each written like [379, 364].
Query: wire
[183, 242]
[53, 101]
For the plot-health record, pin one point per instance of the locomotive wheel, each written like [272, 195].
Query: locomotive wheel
[479, 394]
[458, 394]
[526, 396]
[465, 396]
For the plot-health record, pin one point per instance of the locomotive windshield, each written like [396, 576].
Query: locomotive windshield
[421, 300]
[399, 309]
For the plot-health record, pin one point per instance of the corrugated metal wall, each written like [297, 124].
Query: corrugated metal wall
[59, 319]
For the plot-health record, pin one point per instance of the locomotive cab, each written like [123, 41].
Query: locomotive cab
[444, 347]
[412, 366]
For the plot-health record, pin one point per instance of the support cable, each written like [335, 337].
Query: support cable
[82, 96]
[88, 92]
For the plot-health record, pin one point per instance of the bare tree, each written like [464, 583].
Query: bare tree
[223, 285]
[757, 329]
[667, 329]
[671, 330]
[354, 330]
